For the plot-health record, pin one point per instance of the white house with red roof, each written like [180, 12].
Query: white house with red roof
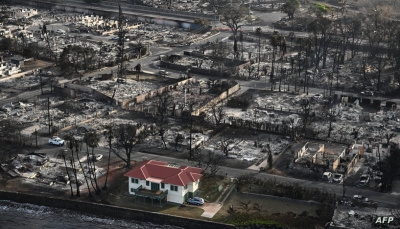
[157, 180]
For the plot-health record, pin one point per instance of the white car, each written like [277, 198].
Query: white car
[56, 141]
[318, 96]
[60, 31]
[96, 157]
[327, 176]
[114, 38]
[364, 179]
[360, 197]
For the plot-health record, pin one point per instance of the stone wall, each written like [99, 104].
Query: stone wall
[113, 211]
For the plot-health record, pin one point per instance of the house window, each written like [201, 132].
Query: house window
[174, 188]
[162, 185]
[134, 180]
[132, 190]
[147, 183]
[185, 187]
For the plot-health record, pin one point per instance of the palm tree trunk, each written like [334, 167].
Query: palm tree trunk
[84, 174]
[69, 178]
[89, 167]
[78, 193]
[94, 173]
[108, 164]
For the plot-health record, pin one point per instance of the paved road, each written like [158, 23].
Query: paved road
[383, 199]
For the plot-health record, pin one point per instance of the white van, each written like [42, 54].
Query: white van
[327, 176]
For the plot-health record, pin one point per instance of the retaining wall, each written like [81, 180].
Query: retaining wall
[216, 100]
[68, 89]
[113, 211]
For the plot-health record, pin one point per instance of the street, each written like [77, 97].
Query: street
[147, 64]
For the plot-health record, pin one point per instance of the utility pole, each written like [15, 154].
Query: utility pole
[48, 114]
[121, 44]
[41, 82]
[190, 136]
[36, 137]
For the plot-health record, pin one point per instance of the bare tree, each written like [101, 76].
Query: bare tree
[164, 101]
[178, 139]
[226, 145]
[250, 70]
[306, 114]
[207, 160]
[162, 135]
[380, 63]
[218, 114]
[332, 112]
[46, 37]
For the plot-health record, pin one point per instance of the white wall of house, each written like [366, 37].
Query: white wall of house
[173, 196]
[192, 187]
[133, 185]
[177, 196]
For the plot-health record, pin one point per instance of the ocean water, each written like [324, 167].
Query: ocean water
[21, 216]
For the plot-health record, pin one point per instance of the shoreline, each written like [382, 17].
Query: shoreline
[112, 211]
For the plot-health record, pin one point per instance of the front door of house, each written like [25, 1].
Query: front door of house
[155, 186]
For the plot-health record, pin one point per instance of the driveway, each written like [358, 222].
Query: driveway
[210, 209]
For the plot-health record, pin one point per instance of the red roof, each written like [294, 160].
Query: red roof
[181, 176]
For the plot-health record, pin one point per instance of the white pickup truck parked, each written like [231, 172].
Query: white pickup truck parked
[56, 141]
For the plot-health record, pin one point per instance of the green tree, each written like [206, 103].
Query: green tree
[127, 136]
[290, 7]
[5, 44]
[233, 16]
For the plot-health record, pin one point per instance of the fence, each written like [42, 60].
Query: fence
[260, 126]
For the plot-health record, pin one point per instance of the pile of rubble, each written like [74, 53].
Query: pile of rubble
[250, 150]
[360, 217]
[127, 90]
[37, 112]
[175, 136]
[40, 169]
